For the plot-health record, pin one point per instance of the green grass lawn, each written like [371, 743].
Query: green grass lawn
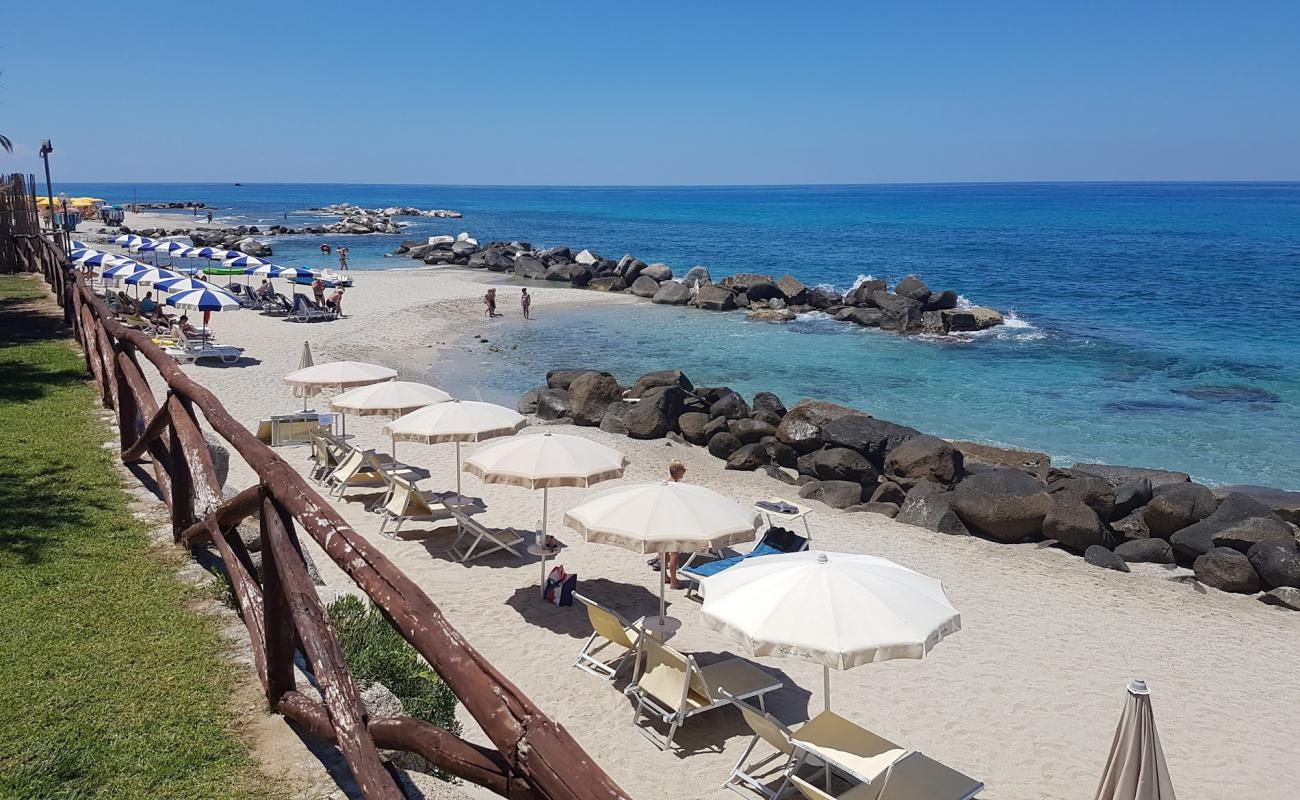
[108, 686]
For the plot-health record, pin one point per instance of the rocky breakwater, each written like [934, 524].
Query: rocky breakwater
[350, 210]
[1236, 539]
[910, 307]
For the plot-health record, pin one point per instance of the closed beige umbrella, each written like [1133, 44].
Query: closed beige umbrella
[1136, 768]
[304, 361]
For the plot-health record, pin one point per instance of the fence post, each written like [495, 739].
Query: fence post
[128, 410]
[277, 614]
[182, 479]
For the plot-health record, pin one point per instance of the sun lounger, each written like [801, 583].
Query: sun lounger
[277, 304]
[613, 630]
[305, 310]
[196, 348]
[507, 539]
[674, 688]
[407, 503]
[369, 468]
[775, 541]
[327, 451]
[915, 776]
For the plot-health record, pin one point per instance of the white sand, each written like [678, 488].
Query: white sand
[1025, 697]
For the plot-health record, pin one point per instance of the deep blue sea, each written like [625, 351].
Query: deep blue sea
[1153, 324]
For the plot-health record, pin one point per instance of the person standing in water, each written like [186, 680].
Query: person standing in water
[209, 217]
[526, 302]
[343, 259]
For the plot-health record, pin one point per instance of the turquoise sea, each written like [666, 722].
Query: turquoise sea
[1152, 324]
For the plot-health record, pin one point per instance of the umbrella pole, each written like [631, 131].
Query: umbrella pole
[663, 579]
[544, 498]
[826, 688]
[458, 493]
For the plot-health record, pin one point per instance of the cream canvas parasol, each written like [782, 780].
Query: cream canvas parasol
[839, 610]
[663, 517]
[1136, 768]
[337, 375]
[546, 460]
[455, 421]
[390, 399]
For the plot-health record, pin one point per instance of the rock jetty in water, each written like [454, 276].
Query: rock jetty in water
[1239, 539]
[350, 210]
[910, 307]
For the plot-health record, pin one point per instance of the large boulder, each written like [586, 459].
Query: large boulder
[722, 444]
[1285, 504]
[886, 509]
[792, 289]
[976, 318]
[563, 272]
[914, 288]
[498, 260]
[731, 405]
[1240, 521]
[872, 437]
[1247, 533]
[843, 464]
[1130, 496]
[586, 257]
[767, 407]
[664, 377]
[863, 292]
[645, 287]
[1227, 570]
[1132, 527]
[1031, 461]
[564, 378]
[747, 457]
[1145, 551]
[527, 266]
[1115, 475]
[657, 272]
[715, 298]
[612, 421]
[553, 403]
[697, 275]
[836, 494]
[671, 293]
[929, 505]
[924, 458]
[1005, 504]
[1276, 565]
[762, 291]
[590, 394]
[898, 314]
[866, 317]
[1093, 492]
[1284, 596]
[253, 247]
[889, 492]
[527, 404]
[655, 414]
[750, 431]
[822, 298]
[692, 424]
[609, 283]
[1100, 556]
[941, 301]
[780, 454]
[1073, 524]
[1174, 506]
[801, 427]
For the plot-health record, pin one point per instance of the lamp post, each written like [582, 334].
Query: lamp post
[46, 149]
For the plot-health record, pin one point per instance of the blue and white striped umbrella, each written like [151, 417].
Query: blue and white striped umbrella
[244, 261]
[126, 267]
[131, 240]
[212, 299]
[96, 258]
[267, 270]
[82, 252]
[178, 285]
[189, 252]
[171, 248]
[76, 245]
[143, 246]
[296, 272]
[211, 252]
[149, 277]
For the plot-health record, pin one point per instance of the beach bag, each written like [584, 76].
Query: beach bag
[560, 586]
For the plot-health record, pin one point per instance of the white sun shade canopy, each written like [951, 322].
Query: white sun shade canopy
[340, 375]
[545, 461]
[455, 421]
[390, 398]
[661, 517]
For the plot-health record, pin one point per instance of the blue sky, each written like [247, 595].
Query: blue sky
[653, 93]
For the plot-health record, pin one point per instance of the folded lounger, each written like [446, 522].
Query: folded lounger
[776, 540]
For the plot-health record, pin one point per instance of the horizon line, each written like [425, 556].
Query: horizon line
[1125, 182]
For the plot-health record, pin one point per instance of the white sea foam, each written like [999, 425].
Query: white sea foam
[861, 280]
[963, 302]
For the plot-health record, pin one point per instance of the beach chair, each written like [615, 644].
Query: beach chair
[369, 468]
[507, 539]
[195, 349]
[675, 688]
[775, 540]
[327, 450]
[915, 776]
[406, 503]
[305, 310]
[614, 630]
[277, 305]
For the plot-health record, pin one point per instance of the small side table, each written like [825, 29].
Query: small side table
[661, 630]
[546, 554]
[800, 512]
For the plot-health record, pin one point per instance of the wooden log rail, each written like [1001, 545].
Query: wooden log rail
[534, 756]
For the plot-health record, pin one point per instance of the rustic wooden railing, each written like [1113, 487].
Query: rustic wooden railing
[534, 756]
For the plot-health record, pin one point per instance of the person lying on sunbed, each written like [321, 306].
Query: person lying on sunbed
[184, 328]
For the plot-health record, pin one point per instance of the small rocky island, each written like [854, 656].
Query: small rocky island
[911, 307]
[1237, 538]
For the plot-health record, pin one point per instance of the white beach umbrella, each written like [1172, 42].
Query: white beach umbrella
[390, 399]
[1136, 768]
[338, 376]
[839, 610]
[663, 517]
[455, 421]
[546, 460]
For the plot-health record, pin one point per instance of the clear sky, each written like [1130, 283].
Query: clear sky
[666, 92]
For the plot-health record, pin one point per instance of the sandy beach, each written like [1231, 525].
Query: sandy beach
[1025, 697]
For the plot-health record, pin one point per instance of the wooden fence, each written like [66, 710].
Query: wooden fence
[534, 756]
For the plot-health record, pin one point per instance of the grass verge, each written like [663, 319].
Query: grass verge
[108, 686]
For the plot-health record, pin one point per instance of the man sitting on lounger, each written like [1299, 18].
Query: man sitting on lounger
[264, 292]
[148, 304]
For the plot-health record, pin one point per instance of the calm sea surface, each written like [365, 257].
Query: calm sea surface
[1153, 324]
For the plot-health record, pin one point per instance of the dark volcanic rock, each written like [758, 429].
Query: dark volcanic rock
[866, 317]
[1247, 533]
[1033, 462]
[748, 457]
[553, 403]
[730, 406]
[527, 404]
[1130, 496]
[863, 293]
[941, 301]
[1093, 492]
[1116, 475]
[836, 494]
[1145, 551]
[655, 414]
[1285, 504]
[914, 288]
[750, 431]
[872, 437]
[801, 428]
[821, 298]
[527, 266]
[564, 378]
[1005, 504]
[1074, 525]
[1177, 505]
[767, 407]
[692, 425]
[671, 293]
[792, 290]
[887, 509]
[779, 453]
[1276, 565]
[1099, 556]
[929, 505]
[715, 298]
[612, 421]
[898, 314]
[1132, 527]
[696, 275]
[645, 287]
[723, 444]
[1241, 520]
[1284, 596]
[924, 458]
[610, 283]
[843, 464]
[1228, 570]
[590, 395]
[664, 377]
[889, 492]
